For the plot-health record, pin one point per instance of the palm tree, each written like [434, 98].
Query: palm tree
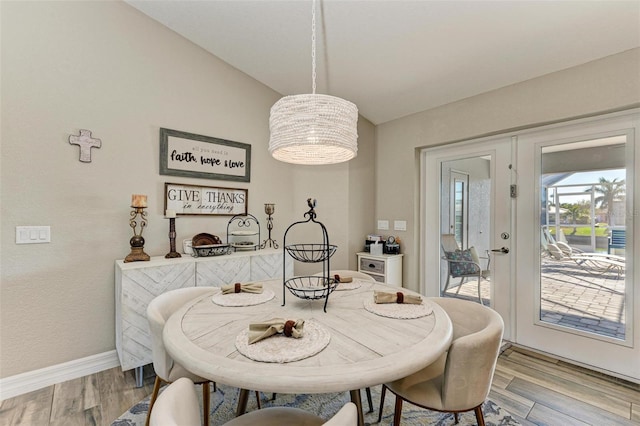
[576, 210]
[610, 191]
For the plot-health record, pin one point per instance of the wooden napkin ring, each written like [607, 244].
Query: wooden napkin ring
[288, 328]
[337, 278]
[237, 288]
[400, 297]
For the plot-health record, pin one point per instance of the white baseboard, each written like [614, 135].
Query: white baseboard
[38, 379]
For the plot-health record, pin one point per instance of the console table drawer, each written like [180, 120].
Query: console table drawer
[372, 265]
[384, 268]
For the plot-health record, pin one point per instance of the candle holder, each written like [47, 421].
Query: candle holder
[172, 239]
[269, 209]
[137, 242]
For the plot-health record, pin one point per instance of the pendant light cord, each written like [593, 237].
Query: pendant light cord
[313, 46]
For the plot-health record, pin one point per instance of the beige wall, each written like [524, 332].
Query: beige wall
[105, 67]
[603, 85]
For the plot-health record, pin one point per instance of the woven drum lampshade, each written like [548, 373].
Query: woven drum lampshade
[313, 129]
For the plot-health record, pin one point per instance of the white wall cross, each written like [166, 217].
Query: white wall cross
[85, 142]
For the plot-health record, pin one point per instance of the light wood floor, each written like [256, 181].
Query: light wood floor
[537, 390]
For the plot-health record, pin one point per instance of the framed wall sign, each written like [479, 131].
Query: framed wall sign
[190, 155]
[204, 200]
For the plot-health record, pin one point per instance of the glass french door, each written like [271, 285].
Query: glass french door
[579, 300]
[465, 190]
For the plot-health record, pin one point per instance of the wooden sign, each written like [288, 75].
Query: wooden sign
[205, 200]
[191, 155]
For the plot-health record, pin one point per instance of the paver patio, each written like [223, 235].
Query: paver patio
[571, 297]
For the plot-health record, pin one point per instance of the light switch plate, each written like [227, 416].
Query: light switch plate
[399, 225]
[383, 225]
[33, 234]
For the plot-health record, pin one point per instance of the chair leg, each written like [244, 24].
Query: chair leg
[258, 400]
[397, 414]
[242, 402]
[154, 395]
[456, 419]
[479, 415]
[206, 402]
[369, 399]
[479, 292]
[215, 387]
[382, 394]
[446, 285]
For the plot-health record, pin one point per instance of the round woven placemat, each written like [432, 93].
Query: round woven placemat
[242, 299]
[348, 286]
[283, 349]
[399, 310]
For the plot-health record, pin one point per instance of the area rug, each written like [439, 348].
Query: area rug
[224, 401]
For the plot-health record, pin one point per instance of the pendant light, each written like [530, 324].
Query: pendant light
[311, 128]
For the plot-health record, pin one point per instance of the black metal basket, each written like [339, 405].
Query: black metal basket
[310, 253]
[311, 287]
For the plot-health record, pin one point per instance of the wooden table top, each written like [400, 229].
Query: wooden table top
[365, 349]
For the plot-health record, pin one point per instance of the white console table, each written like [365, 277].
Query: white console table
[137, 283]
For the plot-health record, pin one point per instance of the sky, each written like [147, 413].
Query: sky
[593, 177]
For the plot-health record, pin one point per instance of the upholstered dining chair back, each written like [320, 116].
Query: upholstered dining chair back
[177, 405]
[472, 356]
[158, 312]
[279, 416]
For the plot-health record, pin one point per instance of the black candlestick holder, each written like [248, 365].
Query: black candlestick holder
[137, 253]
[269, 209]
[172, 240]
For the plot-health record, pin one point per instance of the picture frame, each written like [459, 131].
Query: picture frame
[205, 157]
[187, 199]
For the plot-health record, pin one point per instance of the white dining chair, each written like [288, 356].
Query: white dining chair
[178, 405]
[166, 369]
[460, 379]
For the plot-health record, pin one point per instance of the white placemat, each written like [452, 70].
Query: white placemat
[242, 299]
[398, 310]
[281, 349]
[349, 286]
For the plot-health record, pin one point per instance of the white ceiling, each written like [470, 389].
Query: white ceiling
[397, 57]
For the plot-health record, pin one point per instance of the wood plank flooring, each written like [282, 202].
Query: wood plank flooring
[535, 389]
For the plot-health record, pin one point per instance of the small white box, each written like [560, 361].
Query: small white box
[375, 249]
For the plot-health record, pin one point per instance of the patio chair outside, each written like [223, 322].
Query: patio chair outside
[617, 239]
[593, 263]
[462, 264]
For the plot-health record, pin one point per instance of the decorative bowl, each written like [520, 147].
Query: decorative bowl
[210, 250]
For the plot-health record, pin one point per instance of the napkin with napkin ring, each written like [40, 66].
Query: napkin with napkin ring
[262, 330]
[340, 279]
[242, 288]
[399, 297]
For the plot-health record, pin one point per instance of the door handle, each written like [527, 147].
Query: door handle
[501, 250]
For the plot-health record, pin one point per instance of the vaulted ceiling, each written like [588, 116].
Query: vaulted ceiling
[397, 57]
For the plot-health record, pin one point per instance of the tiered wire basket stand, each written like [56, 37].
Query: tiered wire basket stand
[316, 286]
[243, 232]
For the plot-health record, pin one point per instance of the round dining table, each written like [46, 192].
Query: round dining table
[364, 348]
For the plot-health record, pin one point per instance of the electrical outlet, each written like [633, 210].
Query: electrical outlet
[33, 234]
[399, 225]
[383, 225]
